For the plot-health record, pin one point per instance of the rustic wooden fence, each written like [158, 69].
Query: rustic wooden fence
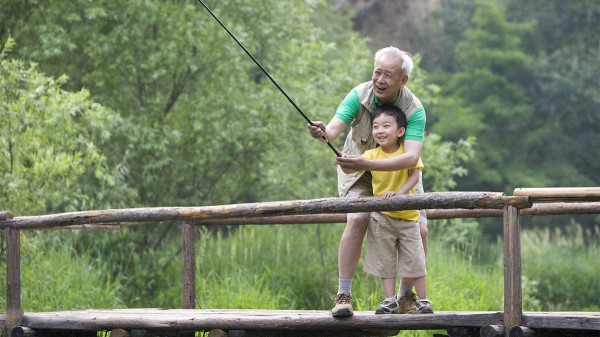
[441, 205]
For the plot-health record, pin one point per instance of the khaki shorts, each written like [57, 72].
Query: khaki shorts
[394, 248]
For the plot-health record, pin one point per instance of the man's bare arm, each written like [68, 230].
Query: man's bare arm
[331, 130]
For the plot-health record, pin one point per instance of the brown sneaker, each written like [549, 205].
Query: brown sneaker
[407, 304]
[343, 305]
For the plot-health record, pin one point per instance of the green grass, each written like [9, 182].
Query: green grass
[56, 279]
[564, 264]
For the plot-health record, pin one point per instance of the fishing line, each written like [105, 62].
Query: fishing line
[337, 153]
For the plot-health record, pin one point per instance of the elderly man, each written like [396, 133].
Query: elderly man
[387, 86]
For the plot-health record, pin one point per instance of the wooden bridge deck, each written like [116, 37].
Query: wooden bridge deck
[290, 320]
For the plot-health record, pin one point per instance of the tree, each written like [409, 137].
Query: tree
[550, 86]
[491, 84]
[565, 86]
[51, 145]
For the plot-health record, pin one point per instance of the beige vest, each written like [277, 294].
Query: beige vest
[359, 138]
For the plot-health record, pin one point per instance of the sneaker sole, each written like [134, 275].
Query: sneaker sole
[342, 313]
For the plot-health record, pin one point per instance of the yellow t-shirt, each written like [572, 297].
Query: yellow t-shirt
[384, 181]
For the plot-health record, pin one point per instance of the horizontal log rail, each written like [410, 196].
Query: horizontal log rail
[552, 194]
[558, 208]
[432, 214]
[435, 200]
[5, 215]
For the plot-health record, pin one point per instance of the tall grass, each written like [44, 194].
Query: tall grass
[57, 279]
[564, 264]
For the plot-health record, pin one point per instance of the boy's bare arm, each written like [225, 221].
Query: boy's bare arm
[413, 179]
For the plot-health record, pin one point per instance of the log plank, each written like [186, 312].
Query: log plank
[290, 319]
[435, 200]
[182, 319]
[568, 320]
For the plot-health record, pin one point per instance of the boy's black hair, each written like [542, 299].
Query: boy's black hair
[391, 110]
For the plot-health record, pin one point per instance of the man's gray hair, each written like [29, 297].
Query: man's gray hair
[407, 63]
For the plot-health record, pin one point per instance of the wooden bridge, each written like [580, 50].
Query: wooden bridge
[295, 323]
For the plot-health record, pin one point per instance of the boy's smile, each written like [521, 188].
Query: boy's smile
[386, 132]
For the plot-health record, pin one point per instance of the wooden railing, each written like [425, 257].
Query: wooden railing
[440, 205]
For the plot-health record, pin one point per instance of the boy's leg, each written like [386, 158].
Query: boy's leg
[423, 304]
[390, 304]
[421, 286]
[411, 262]
[389, 286]
[406, 282]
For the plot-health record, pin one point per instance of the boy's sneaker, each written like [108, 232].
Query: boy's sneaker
[388, 307]
[424, 306]
[407, 303]
[343, 305]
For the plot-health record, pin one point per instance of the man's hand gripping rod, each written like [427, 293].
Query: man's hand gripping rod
[337, 153]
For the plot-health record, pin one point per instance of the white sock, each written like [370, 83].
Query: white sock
[345, 285]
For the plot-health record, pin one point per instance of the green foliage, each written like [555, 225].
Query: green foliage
[445, 161]
[521, 80]
[490, 84]
[565, 86]
[51, 160]
[202, 124]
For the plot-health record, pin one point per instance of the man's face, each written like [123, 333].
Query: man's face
[388, 78]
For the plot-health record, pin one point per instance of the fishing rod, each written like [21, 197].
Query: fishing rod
[337, 153]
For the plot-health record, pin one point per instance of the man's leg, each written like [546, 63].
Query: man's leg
[348, 257]
[351, 244]
[350, 248]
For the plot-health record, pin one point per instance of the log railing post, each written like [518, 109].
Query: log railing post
[14, 313]
[188, 254]
[513, 306]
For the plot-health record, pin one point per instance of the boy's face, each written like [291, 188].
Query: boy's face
[386, 131]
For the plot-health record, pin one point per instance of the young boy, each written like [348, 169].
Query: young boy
[394, 245]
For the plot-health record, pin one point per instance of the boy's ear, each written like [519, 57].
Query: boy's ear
[401, 131]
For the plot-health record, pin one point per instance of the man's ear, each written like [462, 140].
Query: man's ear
[404, 79]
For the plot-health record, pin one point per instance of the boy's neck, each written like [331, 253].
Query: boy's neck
[390, 148]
